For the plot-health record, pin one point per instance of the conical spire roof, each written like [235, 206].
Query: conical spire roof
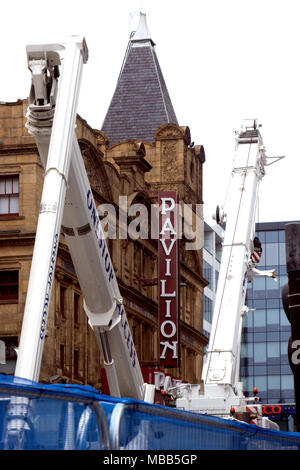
[141, 102]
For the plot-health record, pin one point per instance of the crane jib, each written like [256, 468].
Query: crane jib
[127, 334]
[100, 237]
[49, 287]
[109, 270]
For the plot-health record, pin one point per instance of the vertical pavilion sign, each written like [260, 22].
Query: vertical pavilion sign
[168, 279]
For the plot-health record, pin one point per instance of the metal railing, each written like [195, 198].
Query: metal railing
[64, 417]
[32, 418]
[150, 427]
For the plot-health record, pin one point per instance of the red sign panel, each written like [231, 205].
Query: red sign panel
[168, 279]
[272, 410]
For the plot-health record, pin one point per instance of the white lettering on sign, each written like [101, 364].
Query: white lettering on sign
[168, 227]
[163, 290]
[168, 266]
[163, 329]
[168, 307]
[167, 250]
[166, 346]
[166, 208]
[168, 278]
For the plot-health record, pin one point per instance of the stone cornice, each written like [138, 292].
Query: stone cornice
[125, 163]
[61, 274]
[173, 185]
[14, 240]
[138, 298]
[171, 131]
[20, 149]
[193, 274]
[13, 103]
[192, 333]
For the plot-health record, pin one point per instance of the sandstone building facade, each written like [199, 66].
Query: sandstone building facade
[139, 151]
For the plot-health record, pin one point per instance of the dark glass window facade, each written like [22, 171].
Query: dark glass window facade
[207, 271]
[266, 330]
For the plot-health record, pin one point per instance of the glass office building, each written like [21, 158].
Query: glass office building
[266, 329]
[212, 249]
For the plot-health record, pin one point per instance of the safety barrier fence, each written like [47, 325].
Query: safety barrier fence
[140, 426]
[50, 417]
[64, 417]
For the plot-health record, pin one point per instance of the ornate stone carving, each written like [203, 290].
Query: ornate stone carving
[101, 137]
[173, 132]
[199, 151]
[168, 159]
[95, 169]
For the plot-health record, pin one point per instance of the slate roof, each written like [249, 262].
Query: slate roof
[141, 102]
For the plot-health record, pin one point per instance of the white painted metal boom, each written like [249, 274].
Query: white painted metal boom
[223, 349]
[220, 390]
[53, 195]
[67, 201]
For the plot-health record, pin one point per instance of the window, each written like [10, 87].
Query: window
[248, 384]
[9, 286]
[274, 370]
[9, 195]
[283, 318]
[10, 345]
[273, 303]
[272, 236]
[281, 235]
[285, 335]
[274, 382]
[246, 350]
[207, 271]
[261, 383]
[272, 257]
[282, 254]
[259, 337]
[260, 352]
[260, 370]
[248, 320]
[259, 283]
[273, 316]
[208, 242]
[259, 318]
[216, 279]
[259, 303]
[76, 363]
[273, 350]
[207, 309]
[262, 261]
[273, 336]
[284, 348]
[62, 301]
[147, 343]
[287, 382]
[76, 309]
[62, 356]
[261, 236]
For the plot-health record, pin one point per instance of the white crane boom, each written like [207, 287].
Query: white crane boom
[223, 349]
[67, 202]
[41, 59]
[220, 391]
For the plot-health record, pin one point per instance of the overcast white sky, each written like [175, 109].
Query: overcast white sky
[223, 61]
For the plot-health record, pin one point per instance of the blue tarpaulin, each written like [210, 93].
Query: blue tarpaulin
[61, 417]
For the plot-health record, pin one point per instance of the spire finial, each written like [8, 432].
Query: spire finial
[142, 33]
